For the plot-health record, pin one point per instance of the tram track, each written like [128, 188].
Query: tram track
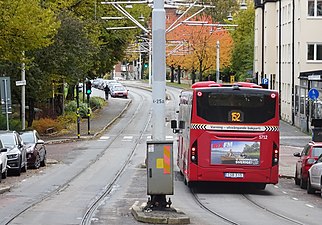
[247, 197]
[86, 219]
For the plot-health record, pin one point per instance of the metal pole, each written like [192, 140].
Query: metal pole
[150, 62]
[77, 111]
[6, 101]
[158, 70]
[88, 116]
[23, 95]
[218, 61]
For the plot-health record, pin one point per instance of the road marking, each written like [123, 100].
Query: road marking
[127, 138]
[275, 186]
[296, 199]
[104, 138]
[295, 137]
[284, 192]
[310, 206]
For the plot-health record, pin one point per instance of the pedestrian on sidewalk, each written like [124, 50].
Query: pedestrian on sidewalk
[107, 91]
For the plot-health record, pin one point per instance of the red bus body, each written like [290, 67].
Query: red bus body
[238, 143]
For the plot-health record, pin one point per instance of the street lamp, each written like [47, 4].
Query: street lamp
[218, 60]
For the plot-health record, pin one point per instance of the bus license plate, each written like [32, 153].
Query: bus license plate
[234, 175]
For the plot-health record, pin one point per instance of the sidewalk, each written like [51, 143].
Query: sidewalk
[100, 120]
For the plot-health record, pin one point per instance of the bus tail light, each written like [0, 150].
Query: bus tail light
[194, 153]
[275, 154]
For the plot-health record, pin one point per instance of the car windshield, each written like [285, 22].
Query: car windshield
[317, 151]
[119, 88]
[28, 138]
[7, 140]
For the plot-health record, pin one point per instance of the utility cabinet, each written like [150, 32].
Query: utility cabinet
[160, 168]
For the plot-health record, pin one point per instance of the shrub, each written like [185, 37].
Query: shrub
[97, 102]
[43, 124]
[14, 124]
[72, 106]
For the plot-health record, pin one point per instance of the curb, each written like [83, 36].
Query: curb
[171, 216]
[4, 189]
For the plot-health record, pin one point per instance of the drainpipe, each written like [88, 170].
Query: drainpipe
[293, 64]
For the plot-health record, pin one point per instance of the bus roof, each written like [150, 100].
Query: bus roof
[202, 84]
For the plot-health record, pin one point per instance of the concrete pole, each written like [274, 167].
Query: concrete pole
[23, 95]
[158, 70]
[218, 61]
[150, 62]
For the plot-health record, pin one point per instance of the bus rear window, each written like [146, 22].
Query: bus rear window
[242, 106]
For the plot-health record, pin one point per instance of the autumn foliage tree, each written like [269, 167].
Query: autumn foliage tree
[194, 47]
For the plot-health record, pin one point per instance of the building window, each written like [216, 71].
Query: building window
[314, 52]
[314, 8]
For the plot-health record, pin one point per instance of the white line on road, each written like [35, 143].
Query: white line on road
[310, 206]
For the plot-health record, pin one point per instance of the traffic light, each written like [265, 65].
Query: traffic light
[146, 65]
[88, 88]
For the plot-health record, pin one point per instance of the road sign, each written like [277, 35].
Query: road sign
[20, 82]
[265, 81]
[313, 94]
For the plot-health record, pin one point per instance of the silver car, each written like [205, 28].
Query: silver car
[17, 154]
[3, 161]
[314, 182]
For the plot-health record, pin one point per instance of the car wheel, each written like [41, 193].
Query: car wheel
[296, 179]
[260, 186]
[302, 183]
[37, 162]
[309, 188]
[44, 161]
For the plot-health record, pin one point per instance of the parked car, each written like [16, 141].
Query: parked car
[36, 149]
[3, 161]
[307, 157]
[314, 182]
[118, 91]
[17, 154]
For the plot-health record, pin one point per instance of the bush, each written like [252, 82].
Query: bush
[72, 106]
[97, 102]
[14, 124]
[67, 119]
[43, 124]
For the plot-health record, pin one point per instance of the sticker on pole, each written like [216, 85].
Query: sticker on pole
[313, 94]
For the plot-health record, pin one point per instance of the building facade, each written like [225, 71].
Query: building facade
[288, 53]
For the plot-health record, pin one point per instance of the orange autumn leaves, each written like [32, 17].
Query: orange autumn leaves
[194, 47]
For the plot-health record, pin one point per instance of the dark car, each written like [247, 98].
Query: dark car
[307, 157]
[118, 91]
[36, 149]
[17, 154]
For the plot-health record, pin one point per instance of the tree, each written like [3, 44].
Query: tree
[198, 49]
[243, 52]
[24, 26]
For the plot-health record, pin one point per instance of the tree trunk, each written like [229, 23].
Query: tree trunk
[179, 74]
[200, 70]
[172, 73]
[193, 76]
[70, 93]
[31, 113]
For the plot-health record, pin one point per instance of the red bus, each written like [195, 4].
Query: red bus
[228, 134]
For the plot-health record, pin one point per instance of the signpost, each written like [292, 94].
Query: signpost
[313, 95]
[5, 97]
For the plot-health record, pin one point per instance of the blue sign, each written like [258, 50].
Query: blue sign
[265, 81]
[313, 94]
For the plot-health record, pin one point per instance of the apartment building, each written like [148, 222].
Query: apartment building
[288, 53]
